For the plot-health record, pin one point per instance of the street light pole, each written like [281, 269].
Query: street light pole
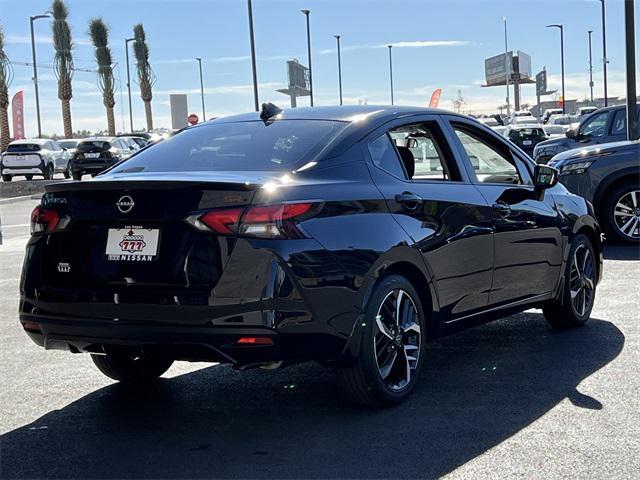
[339, 68]
[604, 52]
[204, 117]
[391, 72]
[590, 67]
[35, 69]
[126, 48]
[507, 68]
[630, 38]
[561, 27]
[306, 14]
[253, 57]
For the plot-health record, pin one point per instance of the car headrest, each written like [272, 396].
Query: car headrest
[408, 161]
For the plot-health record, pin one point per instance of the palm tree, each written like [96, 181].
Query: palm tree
[100, 37]
[146, 78]
[6, 76]
[63, 61]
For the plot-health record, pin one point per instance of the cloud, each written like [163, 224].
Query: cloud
[25, 39]
[236, 59]
[403, 44]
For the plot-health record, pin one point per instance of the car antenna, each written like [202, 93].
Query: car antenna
[269, 110]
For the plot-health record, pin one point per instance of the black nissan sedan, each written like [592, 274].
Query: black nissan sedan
[351, 236]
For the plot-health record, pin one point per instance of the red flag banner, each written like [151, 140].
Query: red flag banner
[17, 109]
[435, 98]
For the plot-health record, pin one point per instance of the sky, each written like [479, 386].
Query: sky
[437, 44]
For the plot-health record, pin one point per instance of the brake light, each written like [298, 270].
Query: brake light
[46, 221]
[266, 221]
[255, 341]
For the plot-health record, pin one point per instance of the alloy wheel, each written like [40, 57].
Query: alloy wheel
[626, 214]
[582, 280]
[397, 341]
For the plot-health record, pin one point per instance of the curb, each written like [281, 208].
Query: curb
[6, 201]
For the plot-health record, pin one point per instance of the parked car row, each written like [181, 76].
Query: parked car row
[71, 157]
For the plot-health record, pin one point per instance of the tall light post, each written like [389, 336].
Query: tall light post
[126, 48]
[630, 39]
[253, 57]
[561, 27]
[337, 37]
[204, 117]
[35, 68]
[391, 71]
[604, 52]
[507, 67]
[306, 14]
[590, 66]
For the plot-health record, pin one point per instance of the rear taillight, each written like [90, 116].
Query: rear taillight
[44, 220]
[266, 221]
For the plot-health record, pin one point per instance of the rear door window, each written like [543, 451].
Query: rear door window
[385, 157]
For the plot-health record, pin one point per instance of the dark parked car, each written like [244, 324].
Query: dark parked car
[94, 155]
[525, 136]
[346, 235]
[605, 125]
[609, 177]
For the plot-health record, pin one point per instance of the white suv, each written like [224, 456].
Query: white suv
[32, 156]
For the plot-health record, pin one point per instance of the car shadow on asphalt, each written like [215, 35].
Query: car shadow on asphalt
[479, 388]
[619, 252]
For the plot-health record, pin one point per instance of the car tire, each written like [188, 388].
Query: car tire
[6, 178]
[391, 351]
[77, 176]
[67, 173]
[48, 172]
[132, 366]
[29, 177]
[618, 210]
[578, 289]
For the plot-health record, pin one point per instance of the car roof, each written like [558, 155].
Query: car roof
[99, 139]
[36, 141]
[342, 113]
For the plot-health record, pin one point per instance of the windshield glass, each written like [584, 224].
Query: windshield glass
[278, 145]
[24, 147]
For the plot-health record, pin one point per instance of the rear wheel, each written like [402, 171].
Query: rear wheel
[29, 177]
[77, 176]
[391, 352]
[579, 290]
[622, 213]
[48, 172]
[132, 365]
[6, 178]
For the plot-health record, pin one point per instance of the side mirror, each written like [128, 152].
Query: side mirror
[571, 133]
[545, 177]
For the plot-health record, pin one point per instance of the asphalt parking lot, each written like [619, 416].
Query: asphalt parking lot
[508, 399]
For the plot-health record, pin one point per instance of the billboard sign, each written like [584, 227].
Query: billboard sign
[524, 65]
[495, 68]
[541, 83]
[298, 75]
[179, 113]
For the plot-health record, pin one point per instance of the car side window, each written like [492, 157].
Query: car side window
[422, 151]
[619, 124]
[595, 126]
[489, 164]
[384, 156]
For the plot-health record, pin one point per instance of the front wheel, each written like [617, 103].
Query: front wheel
[579, 289]
[622, 213]
[6, 178]
[132, 365]
[391, 352]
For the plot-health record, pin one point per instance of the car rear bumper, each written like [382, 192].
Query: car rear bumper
[22, 171]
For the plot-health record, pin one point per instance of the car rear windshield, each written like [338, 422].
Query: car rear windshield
[68, 143]
[24, 147]
[93, 146]
[240, 146]
[528, 133]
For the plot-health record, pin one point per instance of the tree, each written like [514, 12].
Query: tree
[63, 61]
[100, 37]
[6, 76]
[146, 77]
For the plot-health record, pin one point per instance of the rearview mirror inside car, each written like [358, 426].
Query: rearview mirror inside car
[545, 177]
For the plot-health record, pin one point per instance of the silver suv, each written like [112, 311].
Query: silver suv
[32, 156]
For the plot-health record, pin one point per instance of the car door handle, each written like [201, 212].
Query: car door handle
[502, 208]
[409, 200]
